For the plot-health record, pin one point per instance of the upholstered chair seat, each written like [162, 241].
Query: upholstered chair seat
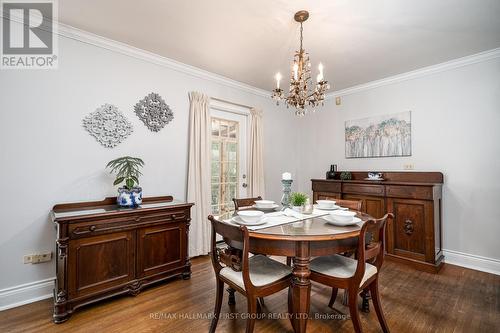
[263, 270]
[341, 267]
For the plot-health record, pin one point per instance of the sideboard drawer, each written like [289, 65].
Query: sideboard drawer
[100, 226]
[413, 192]
[375, 190]
[326, 187]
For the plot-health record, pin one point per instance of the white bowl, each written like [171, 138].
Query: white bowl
[325, 203]
[264, 203]
[250, 216]
[342, 215]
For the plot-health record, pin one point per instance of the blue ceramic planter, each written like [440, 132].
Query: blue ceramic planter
[129, 198]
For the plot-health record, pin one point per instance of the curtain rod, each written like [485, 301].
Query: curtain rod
[237, 104]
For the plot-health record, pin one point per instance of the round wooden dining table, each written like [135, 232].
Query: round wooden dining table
[302, 240]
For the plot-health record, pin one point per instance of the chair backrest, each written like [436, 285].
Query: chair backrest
[236, 260]
[245, 202]
[351, 204]
[371, 251]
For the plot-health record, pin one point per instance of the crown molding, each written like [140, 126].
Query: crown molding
[86, 37]
[421, 72]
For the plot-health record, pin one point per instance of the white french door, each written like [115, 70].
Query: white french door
[228, 156]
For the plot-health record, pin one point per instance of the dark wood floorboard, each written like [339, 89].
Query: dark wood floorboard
[455, 300]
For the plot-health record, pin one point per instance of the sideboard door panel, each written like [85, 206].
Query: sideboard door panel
[161, 248]
[100, 262]
[407, 232]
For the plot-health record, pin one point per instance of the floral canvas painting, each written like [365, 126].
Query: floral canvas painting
[382, 136]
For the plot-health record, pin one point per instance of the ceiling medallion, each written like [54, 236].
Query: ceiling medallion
[107, 125]
[299, 95]
[154, 112]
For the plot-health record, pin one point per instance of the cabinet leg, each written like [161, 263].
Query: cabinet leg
[61, 313]
[186, 275]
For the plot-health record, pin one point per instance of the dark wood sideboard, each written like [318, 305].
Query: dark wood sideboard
[103, 250]
[414, 235]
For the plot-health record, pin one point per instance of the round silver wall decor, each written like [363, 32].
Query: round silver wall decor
[108, 125]
[154, 112]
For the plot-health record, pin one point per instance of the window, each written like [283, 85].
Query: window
[225, 164]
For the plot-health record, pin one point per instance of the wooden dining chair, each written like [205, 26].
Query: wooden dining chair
[254, 277]
[354, 275]
[351, 204]
[245, 202]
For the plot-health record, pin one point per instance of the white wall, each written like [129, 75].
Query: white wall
[48, 158]
[455, 130]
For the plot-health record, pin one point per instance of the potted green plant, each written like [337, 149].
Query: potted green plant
[127, 170]
[298, 200]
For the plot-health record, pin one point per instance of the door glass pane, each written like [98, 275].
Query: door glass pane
[232, 152]
[215, 151]
[223, 129]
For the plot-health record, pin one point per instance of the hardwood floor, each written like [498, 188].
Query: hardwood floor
[455, 300]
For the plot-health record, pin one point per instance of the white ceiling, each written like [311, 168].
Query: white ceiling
[250, 40]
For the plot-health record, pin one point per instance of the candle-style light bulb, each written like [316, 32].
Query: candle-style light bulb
[319, 78]
[278, 79]
[295, 71]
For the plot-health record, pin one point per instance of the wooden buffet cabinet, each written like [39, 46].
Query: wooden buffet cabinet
[103, 250]
[414, 235]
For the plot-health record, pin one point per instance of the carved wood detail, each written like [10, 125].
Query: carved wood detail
[408, 227]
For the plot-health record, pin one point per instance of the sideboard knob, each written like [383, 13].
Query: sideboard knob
[174, 216]
[92, 228]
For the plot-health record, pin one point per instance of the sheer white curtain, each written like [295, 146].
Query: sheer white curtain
[256, 155]
[198, 187]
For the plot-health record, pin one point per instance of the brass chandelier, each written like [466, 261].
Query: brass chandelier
[299, 94]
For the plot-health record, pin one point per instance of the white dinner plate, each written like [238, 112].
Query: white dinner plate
[332, 221]
[270, 208]
[334, 207]
[238, 220]
[375, 179]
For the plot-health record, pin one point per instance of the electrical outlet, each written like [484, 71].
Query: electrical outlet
[409, 166]
[37, 258]
[338, 100]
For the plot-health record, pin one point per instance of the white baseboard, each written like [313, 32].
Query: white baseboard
[471, 261]
[26, 293]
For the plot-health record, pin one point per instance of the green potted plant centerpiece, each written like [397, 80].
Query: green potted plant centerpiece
[127, 172]
[298, 200]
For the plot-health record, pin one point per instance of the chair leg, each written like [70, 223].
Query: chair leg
[232, 299]
[252, 313]
[218, 303]
[334, 296]
[353, 310]
[378, 306]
